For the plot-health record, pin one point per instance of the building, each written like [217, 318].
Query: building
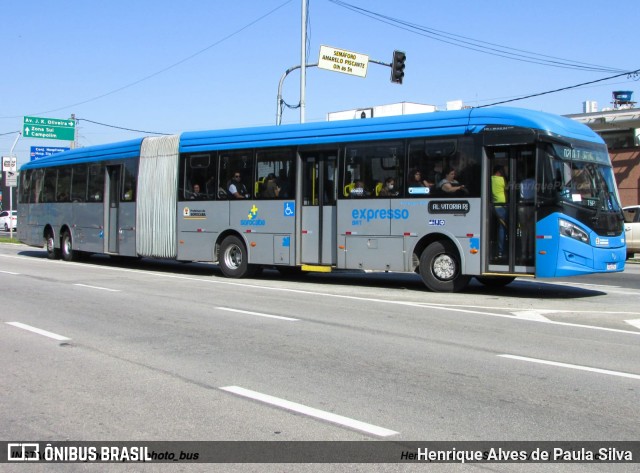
[620, 128]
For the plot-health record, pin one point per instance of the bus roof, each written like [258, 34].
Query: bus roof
[404, 126]
[123, 149]
[457, 122]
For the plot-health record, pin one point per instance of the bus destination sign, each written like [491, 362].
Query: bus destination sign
[449, 207]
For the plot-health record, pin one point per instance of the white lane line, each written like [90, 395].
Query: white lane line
[448, 307]
[98, 287]
[575, 367]
[634, 322]
[9, 272]
[535, 315]
[310, 411]
[259, 314]
[39, 331]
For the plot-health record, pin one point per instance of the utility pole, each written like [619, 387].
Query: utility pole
[73, 144]
[303, 61]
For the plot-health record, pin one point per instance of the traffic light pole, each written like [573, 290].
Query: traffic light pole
[280, 102]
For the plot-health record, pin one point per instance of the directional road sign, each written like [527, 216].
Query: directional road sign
[49, 128]
[38, 152]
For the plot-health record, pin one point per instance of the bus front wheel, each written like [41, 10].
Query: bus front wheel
[440, 268]
[233, 259]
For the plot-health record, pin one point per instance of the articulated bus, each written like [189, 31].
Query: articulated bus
[318, 197]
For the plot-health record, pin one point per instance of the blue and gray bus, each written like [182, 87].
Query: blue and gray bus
[398, 194]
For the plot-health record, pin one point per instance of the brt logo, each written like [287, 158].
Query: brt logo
[252, 218]
[360, 216]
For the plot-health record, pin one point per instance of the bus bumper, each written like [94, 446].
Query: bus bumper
[559, 255]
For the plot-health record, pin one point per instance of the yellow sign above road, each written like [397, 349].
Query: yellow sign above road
[340, 60]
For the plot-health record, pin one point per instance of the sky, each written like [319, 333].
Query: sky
[166, 66]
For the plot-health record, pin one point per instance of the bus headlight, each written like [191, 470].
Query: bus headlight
[570, 230]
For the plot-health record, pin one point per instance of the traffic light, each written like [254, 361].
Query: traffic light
[397, 68]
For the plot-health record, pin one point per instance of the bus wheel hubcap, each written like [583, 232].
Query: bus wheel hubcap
[444, 267]
[233, 257]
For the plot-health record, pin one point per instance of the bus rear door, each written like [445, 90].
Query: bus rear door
[120, 217]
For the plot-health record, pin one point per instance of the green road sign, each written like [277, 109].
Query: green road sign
[49, 128]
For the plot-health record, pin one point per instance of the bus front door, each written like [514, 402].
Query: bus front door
[512, 216]
[318, 216]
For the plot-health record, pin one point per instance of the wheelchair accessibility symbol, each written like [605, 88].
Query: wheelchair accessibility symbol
[289, 209]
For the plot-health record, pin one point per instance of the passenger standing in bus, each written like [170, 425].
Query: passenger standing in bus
[236, 188]
[499, 199]
[526, 213]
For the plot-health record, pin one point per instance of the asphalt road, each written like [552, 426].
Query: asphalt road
[168, 351]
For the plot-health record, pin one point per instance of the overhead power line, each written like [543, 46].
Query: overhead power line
[165, 69]
[484, 47]
[121, 127]
[631, 74]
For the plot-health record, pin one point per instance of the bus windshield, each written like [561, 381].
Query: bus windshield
[584, 177]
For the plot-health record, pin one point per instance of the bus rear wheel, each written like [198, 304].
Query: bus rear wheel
[233, 259]
[66, 247]
[440, 268]
[50, 246]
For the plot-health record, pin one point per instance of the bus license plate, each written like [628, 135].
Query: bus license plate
[611, 266]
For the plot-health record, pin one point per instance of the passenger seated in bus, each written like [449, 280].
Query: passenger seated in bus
[416, 181]
[450, 185]
[283, 184]
[271, 189]
[210, 186]
[236, 188]
[389, 188]
[195, 193]
[359, 190]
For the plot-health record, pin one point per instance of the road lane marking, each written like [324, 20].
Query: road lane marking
[634, 322]
[39, 331]
[448, 307]
[9, 272]
[259, 314]
[98, 287]
[310, 411]
[575, 367]
[535, 315]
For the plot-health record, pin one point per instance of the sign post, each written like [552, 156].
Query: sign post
[10, 168]
[49, 128]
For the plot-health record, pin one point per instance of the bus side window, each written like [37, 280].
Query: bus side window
[368, 165]
[234, 163]
[79, 183]
[129, 180]
[96, 182]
